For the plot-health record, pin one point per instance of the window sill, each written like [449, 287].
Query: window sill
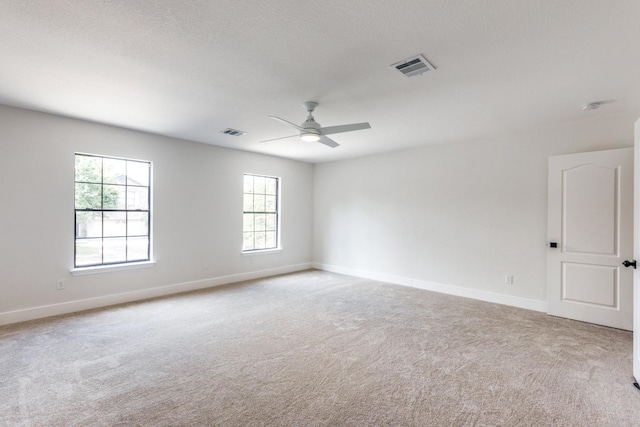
[261, 252]
[81, 271]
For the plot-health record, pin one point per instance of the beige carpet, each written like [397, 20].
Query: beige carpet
[315, 349]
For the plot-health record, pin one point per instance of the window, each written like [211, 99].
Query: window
[261, 211]
[112, 210]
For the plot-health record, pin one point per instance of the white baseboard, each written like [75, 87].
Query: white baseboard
[107, 300]
[526, 303]
[33, 313]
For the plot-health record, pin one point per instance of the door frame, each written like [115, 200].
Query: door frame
[636, 254]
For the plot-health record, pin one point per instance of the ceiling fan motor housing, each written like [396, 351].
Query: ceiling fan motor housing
[310, 123]
[311, 132]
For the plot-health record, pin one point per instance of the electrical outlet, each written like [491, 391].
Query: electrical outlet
[509, 279]
[59, 284]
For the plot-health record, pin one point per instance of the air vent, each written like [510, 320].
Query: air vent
[233, 132]
[414, 66]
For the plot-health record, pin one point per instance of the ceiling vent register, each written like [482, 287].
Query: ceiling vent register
[414, 66]
[233, 132]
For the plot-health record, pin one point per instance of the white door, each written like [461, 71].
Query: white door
[591, 224]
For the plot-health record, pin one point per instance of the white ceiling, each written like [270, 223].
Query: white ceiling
[189, 68]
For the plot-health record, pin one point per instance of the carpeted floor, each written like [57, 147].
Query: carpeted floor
[315, 349]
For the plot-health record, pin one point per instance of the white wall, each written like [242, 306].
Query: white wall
[197, 215]
[455, 218]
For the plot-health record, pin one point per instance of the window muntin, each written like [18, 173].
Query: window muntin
[260, 213]
[112, 210]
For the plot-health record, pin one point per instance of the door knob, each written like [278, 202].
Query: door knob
[628, 263]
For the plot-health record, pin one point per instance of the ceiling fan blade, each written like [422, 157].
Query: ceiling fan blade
[344, 128]
[286, 122]
[282, 137]
[328, 141]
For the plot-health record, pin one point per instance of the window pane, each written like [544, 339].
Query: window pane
[258, 203]
[115, 250]
[113, 197]
[88, 196]
[260, 222]
[271, 186]
[137, 198]
[247, 223]
[271, 222]
[137, 224]
[131, 199]
[270, 204]
[248, 183]
[270, 239]
[247, 241]
[88, 252]
[115, 171]
[88, 169]
[258, 184]
[138, 173]
[114, 224]
[248, 203]
[137, 248]
[88, 224]
[259, 240]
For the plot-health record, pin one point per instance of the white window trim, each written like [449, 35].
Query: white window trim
[261, 251]
[82, 271]
[252, 252]
[95, 269]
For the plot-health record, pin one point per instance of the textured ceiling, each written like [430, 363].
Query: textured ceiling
[189, 69]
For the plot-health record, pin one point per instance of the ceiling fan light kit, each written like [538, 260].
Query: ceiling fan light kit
[310, 136]
[311, 131]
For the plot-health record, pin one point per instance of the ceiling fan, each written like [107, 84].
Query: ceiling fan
[311, 131]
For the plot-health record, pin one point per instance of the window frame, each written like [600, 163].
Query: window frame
[120, 264]
[277, 212]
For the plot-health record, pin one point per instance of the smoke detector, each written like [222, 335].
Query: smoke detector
[414, 66]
